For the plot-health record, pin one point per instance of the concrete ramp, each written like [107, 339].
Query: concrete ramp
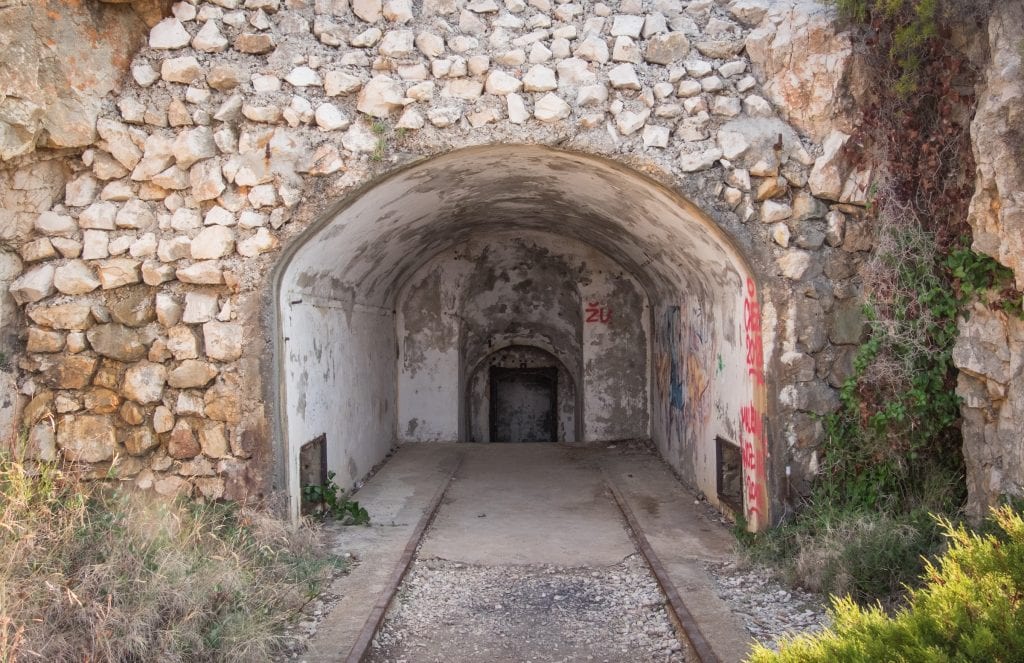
[397, 497]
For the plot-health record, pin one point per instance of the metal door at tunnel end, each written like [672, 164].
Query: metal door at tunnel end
[524, 404]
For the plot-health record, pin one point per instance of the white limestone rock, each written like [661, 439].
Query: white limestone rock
[593, 49]
[135, 214]
[500, 83]
[339, 83]
[329, 117]
[629, 122]
[623, 77]
[260, 242]
[539, 79]
[209, 39]
[380, 97]
[772, 211]
[184, 70]
[655, 136]
[430, 45]
[398, 11]
[697, 161]
[733, 144]
[551, 108]
[624, 25]
[368, 10]
[517, 113]
[666, 49]
[33, 285]
[169, 34]
[575, 72]
[592, 95]
[303, 77]
[55, 224]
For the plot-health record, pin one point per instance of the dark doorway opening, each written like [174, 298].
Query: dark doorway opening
[524, 404]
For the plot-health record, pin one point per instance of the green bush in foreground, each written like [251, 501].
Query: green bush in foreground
[970, 608]
[94, 573]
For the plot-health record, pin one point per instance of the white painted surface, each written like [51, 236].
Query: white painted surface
[341, 374]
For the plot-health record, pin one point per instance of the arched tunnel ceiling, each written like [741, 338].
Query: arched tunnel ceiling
[365, 250]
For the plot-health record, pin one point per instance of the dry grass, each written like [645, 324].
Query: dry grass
[93, 573]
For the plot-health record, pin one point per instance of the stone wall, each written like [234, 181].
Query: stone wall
[145, 279]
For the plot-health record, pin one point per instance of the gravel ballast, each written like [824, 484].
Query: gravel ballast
[449, 611]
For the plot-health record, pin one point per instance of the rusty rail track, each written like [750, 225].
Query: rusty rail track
[687, 629]
[362, 645]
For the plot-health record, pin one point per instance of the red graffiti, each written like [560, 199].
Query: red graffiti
[751, 420]
[752, 325]
[598, 313]
[752, 434]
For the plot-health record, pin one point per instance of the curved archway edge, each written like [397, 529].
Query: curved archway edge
[588, 196]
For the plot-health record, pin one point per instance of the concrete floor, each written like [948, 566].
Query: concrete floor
[529, 504]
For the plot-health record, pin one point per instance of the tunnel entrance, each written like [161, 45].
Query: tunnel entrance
[513, 293]
[524, 404]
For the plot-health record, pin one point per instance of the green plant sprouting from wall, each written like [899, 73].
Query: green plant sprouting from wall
[329, 500]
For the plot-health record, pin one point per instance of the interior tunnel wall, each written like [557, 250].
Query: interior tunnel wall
[528, 289]
[341, 373]
[708, 383]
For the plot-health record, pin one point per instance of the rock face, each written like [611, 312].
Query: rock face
[805, 63]
[990, 349]
[997, 210]
[50, 95]
[990, 356]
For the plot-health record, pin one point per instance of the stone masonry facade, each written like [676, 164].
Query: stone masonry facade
[138, 263]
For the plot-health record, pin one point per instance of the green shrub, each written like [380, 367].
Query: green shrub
[94, 573]
[970, 608]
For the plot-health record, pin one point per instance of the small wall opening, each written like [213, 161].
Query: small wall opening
[312, 468]
[729, 465]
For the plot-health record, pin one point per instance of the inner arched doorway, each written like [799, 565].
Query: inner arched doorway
[522, 393]
[386, 304]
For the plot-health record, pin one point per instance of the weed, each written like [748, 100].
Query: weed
[979, 275]
[90, 572]
[382, 131]
[329, 500]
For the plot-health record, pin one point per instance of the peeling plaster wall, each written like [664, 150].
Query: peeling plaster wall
[616, 350]
[428, 355]
[522, 289]
[340, 368]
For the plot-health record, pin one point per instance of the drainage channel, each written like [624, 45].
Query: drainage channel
[439, 610]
